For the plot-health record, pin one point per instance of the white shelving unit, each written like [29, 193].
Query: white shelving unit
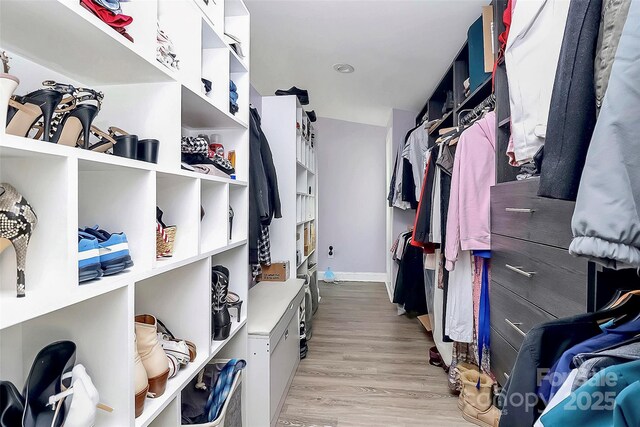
[292, 139]
[70, 188]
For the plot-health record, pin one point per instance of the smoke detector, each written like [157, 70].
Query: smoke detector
[343, 68]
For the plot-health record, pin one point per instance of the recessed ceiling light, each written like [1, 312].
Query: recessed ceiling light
[343, 68]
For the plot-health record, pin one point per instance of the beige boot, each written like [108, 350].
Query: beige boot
[141, 382]
[476, 403]
[153, 356]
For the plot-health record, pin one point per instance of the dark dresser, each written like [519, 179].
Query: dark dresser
[533, 277]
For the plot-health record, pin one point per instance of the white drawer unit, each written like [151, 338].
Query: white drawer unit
[274, 347]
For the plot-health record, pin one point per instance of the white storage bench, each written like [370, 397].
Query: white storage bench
[274, 347]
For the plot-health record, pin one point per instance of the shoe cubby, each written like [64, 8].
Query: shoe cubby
[180, 298]
[235, 261]
[239, 200]
[179, 199]
[181, 21]
[311, 208]
[241, 80]
[214, 228]
[232, 140]
[119, 199]
[147, 110]
[47, 183]
[311, 184]
[101, 329]
[301, 180]
[300, 233]
[300, 207]
[215, 67]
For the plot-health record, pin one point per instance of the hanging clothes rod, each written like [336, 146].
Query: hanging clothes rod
[488, 103]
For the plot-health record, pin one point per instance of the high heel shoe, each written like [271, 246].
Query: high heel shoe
[72, 117]
[50, 374]
[17, 222]
[220, 316]
[153, 356]
[8, 83]
[24, 112]
[74, 125]
[165, 236]
[234, 301]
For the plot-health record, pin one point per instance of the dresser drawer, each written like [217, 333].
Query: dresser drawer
[503, 357]
[548, 277]
[513, 316]
[516, 211]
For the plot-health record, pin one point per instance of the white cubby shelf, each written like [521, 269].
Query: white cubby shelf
[70, 188]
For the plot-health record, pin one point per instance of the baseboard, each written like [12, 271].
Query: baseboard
[389, 290]
[357, 277]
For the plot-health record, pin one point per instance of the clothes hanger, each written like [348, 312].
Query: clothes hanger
[627, 305]
[632, 340]
[616, 296]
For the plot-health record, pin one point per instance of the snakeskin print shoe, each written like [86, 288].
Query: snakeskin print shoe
[17, 222]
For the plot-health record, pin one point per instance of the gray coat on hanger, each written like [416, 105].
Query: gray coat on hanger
[606, 220]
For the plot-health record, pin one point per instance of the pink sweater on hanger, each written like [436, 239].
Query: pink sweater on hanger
[473, 175]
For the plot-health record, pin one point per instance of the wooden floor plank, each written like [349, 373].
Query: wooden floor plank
[367, 366]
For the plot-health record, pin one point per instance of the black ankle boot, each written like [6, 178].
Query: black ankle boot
[219, 311]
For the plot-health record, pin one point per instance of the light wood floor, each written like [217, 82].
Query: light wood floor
[367, 366]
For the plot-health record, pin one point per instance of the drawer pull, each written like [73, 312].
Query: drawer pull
[505, 375]
[286, 334]
[519, 210]
[519, 270]
[515, 326]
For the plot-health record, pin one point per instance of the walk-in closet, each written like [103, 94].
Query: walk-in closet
[319, 213]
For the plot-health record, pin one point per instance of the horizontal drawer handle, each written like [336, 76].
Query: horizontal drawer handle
[505, 375]
[519, 270]
[519, 210]
[515, 326]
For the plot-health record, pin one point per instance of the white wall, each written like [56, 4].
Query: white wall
[255, 99]
[352, 197]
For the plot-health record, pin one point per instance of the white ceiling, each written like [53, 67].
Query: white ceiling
[399, 48]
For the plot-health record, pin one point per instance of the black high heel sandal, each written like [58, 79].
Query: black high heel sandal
[24, 112]
[72, 122]
[72, 118]
[74, 125]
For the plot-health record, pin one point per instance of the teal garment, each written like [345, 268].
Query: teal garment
[626, 412]
[592, 404]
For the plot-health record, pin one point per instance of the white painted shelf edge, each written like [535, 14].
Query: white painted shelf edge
[105, 285]
[40, 147]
